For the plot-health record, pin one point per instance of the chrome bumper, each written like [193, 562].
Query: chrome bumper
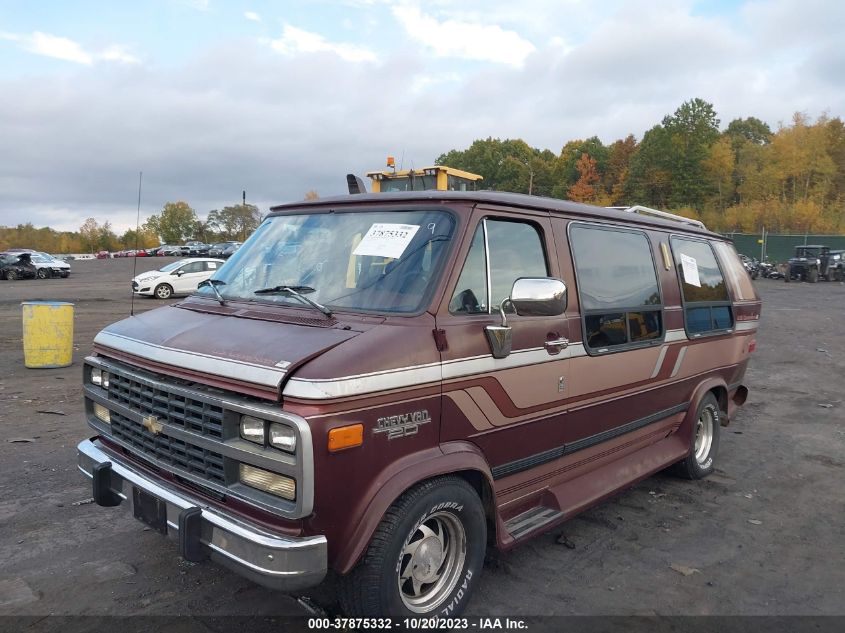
[279, 562]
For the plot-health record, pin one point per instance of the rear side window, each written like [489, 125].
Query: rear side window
[707, 306]
[738, 279]
[617, 285]
[502, 251]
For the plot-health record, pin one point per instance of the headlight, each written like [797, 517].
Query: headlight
[278, 485]
[252, 429]
[283, 437]
[100, 378]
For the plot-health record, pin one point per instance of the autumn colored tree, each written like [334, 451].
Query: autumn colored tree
[583, 190]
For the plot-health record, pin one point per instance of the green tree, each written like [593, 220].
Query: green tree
[175, 223]
[750, 130]
[649, 179]
[693, 128]
[234, 223]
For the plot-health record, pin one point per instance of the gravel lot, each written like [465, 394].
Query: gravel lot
[763, 536]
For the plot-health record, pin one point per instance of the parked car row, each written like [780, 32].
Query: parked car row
[189, 249]
[27, 264]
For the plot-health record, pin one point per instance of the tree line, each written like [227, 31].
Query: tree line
[176, 223]
[742, 178]
[739, 179]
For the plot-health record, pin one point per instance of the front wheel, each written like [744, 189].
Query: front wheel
[704, 443]
[424, 558]
[42, 273]
[813, 275]
[164, 291]
[12, 275]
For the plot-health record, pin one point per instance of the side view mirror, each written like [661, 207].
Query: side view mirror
[179, 273]
[530, 296]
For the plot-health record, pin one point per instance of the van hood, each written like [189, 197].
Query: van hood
[253, 351]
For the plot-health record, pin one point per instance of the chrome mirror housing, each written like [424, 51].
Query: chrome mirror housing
[538, 296]
[530, 296]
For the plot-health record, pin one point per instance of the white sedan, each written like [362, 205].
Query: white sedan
[49, 266]
[177, 278]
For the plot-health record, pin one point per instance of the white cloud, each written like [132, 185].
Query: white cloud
[252, 15]
[296, 40]
[117, 53]
[51, 46]
[68, 50]
[466, 40]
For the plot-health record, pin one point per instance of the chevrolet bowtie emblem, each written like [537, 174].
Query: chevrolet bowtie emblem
[152, 424]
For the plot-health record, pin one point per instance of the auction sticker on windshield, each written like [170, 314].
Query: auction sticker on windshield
[386, 240]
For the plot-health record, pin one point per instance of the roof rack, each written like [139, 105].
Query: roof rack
[661, 214]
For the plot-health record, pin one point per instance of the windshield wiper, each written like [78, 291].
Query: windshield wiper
[214, 283]
[295, 291]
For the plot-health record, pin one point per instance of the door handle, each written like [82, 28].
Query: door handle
[553, 347]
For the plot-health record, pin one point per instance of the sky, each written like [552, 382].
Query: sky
[210, 98]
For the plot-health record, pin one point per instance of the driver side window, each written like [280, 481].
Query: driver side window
[513, 250]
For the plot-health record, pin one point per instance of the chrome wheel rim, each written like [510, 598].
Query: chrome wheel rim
[162, 292]
[431, 562]
[704, 435]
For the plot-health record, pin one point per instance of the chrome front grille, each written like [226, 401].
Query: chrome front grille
[188, 413]
[169, 451]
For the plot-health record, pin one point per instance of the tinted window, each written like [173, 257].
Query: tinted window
[707, 305]
[615, 268]
[515, 250]
[709, 285]
[617, 284]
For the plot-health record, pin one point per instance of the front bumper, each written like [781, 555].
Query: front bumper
[279, 562]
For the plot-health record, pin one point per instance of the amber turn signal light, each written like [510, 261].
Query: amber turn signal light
[346, 437]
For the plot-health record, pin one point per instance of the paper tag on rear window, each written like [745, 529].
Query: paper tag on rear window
[386, 240]
[690, 267]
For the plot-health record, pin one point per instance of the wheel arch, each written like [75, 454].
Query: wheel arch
[461, 459]
[719, 388]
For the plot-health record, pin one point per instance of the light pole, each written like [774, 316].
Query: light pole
[530, 176]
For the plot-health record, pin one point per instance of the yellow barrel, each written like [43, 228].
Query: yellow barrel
[47, 334]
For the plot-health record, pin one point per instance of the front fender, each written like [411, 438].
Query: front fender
[398, 477]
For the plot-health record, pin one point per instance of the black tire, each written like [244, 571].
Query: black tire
[813, 275]
[12, 275]
[701, 460]
[43, 273]
[163, 291]
[446, 505]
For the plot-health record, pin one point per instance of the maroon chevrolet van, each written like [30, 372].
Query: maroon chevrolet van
[386, 385]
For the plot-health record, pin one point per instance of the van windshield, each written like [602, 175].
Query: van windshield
[378, 261]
